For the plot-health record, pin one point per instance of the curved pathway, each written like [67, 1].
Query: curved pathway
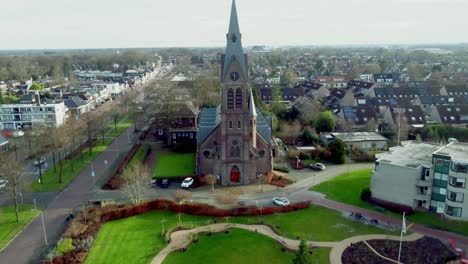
[183, 238]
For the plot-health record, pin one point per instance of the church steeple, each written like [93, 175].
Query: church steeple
[234, 44]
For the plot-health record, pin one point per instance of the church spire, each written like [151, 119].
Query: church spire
[234, 44]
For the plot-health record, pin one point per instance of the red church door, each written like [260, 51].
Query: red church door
[235, 174]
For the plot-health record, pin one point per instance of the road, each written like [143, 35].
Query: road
[30, 244]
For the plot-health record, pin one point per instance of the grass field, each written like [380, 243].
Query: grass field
[8, 225]
[144, 231]
[170, 164]
[347, 188]
[51, 179]
[239, 246]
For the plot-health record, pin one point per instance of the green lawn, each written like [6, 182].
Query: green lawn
[8, 225]
[347, 188]
[135, 239]
[144, 231]
[239, 246]
[121, 127]
[171, 164]
[51, 180]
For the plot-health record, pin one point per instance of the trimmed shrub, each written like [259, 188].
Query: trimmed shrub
[394, 207]
[366, 194]
[281, 168]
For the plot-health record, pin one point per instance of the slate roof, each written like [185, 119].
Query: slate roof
[74, 102]
[338, 93]
[414, 115]
[263, 126]
[457, 89]
[359, 84]
[383, 76]
[310, 85]
[209, 120]
[453, 114]
[359, 115]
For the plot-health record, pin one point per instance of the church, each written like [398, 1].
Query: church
[234, 140]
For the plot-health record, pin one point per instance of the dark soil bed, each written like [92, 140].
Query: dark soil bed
[426, 250]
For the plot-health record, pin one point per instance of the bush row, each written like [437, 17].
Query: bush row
[114, 181]
[394, 207]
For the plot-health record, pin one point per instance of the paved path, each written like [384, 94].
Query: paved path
[30, 244]
[182, 239]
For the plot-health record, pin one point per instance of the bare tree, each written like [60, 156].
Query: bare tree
[226, 198]
[309, 109]
[211, 180]
[290, 132]
[181, 195]
[12, 171]
[135, 178]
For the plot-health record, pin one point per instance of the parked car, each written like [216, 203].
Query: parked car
[281, 201]
[18, 133]
[242, 203]
[165, 183]
[40, 161]
[187, 183]
[3, 184]
[317, 166]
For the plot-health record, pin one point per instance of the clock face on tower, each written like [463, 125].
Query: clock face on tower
[234, 76]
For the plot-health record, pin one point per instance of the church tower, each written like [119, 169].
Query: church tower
[238, 113]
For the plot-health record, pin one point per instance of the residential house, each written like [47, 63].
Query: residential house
[411, 116]
[357, 117]
[76, 107]
[455, 115]
[384, 78]
[314, 90]
[366, 77]
[338, 81]
[360, 88]
[452, 90]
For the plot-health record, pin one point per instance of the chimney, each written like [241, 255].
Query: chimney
[37, 98]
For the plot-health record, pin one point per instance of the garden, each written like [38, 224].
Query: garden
[347, 188]
[434, 252]
[9, 227]
[170, 164]
[148, 225]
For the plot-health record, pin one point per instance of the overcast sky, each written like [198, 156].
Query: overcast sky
[54, 24]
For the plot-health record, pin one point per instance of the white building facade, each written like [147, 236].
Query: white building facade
[30, 116]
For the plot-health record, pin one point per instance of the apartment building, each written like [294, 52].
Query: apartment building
[29, 116]
[424, 176]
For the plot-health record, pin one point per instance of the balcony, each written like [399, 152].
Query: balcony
[422, 196]
[423, 183]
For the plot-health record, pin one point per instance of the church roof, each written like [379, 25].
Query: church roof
[263, 126]
[209, 120]
[234, 44]
[211, 117]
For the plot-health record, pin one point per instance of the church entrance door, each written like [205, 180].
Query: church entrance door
[235, 174]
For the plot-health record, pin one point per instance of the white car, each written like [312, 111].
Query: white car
[317, 166]
[187, 183]
[40, 161]
[3, 184]
[18, 133]
[281, 201]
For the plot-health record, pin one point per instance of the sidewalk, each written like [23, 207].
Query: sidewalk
[459, 239]
[29, 245]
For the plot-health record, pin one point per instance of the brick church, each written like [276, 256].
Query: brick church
[234, 140]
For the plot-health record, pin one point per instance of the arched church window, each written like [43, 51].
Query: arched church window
[239, 98]
[233, 38]
[206, 153]
[230, 98]
[237, 152]
[233, 152]
[238, 124]
[230, 124]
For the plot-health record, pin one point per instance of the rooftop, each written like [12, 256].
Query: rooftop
[359, 136]
[411, 154]
[458, 151]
